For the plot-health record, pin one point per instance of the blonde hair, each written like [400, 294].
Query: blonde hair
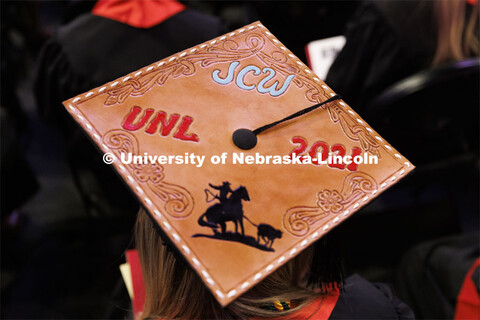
[174, 291]
[456, 38]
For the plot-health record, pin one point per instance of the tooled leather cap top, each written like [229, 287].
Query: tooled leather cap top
[237, 215]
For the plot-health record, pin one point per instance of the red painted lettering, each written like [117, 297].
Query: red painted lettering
[341, 152]
[166, 127]
[314, 153]
[167, 124]
[128, 123]
[301, 148]
[182, 130]
[337, 150]
[355, 152]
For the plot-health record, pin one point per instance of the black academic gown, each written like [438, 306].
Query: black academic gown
[386, 42]
[88, 52]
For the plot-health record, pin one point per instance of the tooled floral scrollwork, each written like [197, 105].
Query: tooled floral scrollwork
[278, 61]
[225, 51]
[177, 202]
[148, 172]
[231, 50]
[298, 220]
[353, 129]
[330, 201]
[122, 142]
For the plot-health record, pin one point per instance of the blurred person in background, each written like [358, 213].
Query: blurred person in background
[74, 245]
[390, 40]
[69, 251]
[116, 38]
[310, 286]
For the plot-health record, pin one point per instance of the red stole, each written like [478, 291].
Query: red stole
[138, 14]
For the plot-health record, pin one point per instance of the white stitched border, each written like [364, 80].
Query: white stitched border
[232, 293]
[167, 225]
[176, 237]
[139, 190]
[148, 201]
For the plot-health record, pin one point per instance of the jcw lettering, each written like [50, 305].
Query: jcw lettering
[260, 85]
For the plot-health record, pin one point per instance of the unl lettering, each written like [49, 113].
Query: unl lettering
[161, 123]
[261, 84]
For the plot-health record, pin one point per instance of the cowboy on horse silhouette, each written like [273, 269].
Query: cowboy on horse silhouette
[224, 191]
[229, 209]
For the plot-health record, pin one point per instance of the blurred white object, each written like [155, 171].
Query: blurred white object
[321, 54]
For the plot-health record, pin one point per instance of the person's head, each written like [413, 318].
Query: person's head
[457, 30]
[174, 290]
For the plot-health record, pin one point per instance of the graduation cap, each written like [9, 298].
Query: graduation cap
[233, 146]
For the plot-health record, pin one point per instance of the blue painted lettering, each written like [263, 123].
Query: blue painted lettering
[240, 79]
[229, 77]
[272, 89]
[241, 75]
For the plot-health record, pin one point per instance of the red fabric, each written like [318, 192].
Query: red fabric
[468, 301]
[137, 282]
[136, 13]
[307, 52]
[318, 309]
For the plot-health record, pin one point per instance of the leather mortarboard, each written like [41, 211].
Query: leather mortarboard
[244, 210]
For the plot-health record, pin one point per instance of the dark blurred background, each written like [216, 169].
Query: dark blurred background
[60, 251]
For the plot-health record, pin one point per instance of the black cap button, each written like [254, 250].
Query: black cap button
[245, 139]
